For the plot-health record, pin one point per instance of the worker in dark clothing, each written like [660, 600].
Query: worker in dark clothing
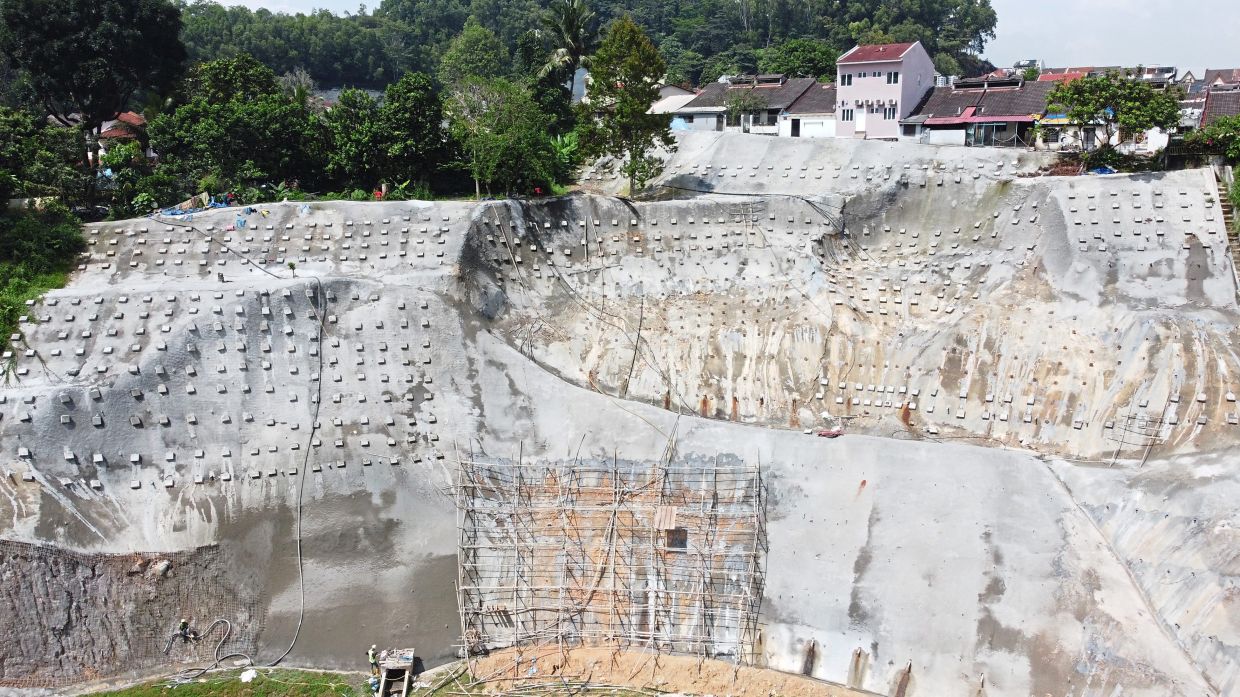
[185, 632]
[374, 659]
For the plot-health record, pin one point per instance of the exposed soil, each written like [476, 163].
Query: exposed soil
[510, 668]
[70, 616]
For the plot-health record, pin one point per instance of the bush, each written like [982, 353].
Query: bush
[41, 241]
[37, 250]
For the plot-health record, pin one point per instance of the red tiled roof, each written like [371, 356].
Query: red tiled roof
[131, 118]
[1060, 77]
[117, 133]
[875, 52]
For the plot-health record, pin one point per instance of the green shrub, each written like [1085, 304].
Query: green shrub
[37, 250]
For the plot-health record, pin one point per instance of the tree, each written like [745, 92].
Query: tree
[227, 79]
[800, 58]
[356, 157]
[1031, 73]
[91, 57]
[625, 78]
[502, 134]
[411, 119]
[37, 159]
[946, 65]
[684, 67]
[571, 25]
[475, 52]
[1117, 105]
[743, 102]
[239, 130]
[739, 60]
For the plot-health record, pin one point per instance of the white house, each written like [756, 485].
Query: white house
[767, 96]
[878, 86]
[812, 115]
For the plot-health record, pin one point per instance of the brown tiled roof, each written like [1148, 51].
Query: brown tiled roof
[875, 52]
[777, 96]
[1226, 76]
[818, 99]
[1220, 103]
[993, 102]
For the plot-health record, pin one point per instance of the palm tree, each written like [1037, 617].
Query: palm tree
[571, 27]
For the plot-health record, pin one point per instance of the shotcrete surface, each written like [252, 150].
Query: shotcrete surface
[980, 521]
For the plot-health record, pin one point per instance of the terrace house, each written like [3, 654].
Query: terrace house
[878, 86]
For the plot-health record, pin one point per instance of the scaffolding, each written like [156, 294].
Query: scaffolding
[665, 557]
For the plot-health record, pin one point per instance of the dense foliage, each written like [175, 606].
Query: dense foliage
[360, 50]
[699, 39]
[1223, 135]
[800, 58]
[37, 244]
[475, 52]
[90, 57]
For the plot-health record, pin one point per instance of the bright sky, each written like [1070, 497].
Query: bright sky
[1193, 34]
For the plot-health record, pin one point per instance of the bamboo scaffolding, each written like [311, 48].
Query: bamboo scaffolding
[567, 553]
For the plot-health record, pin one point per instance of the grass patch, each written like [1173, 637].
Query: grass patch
[17, 285]
[277, 682]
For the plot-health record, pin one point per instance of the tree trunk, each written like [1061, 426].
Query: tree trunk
[92, 184]
[477, 189]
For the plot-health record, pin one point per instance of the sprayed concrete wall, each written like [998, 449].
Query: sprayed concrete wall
[1042, 312]
[412, 331]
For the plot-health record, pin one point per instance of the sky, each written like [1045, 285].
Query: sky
[1192, 34]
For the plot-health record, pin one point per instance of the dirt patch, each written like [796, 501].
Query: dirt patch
[639, 670]
[68, 617]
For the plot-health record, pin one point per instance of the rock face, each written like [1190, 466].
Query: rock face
[71, 616]
[936, 302]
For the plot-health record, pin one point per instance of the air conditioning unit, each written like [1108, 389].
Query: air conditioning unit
[869, 102]
[891, 102]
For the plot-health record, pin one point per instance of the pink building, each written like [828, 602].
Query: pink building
[878, 86]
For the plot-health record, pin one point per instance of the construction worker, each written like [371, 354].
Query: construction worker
[373, 658]
[184, 631]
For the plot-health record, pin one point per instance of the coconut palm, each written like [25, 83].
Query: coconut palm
[570, 25]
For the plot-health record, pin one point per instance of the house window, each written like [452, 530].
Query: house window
[677, 539]
[846, 114]
[688, 118]
[1050, 135]
[893, 78]
[846, 79]
[889, 113]
[772, 117]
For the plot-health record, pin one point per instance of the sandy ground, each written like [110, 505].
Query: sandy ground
[693, 676]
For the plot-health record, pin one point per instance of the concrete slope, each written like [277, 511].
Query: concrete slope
[1035, 312]
[153, 407]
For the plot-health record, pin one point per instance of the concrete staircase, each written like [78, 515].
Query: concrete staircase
[1229, 222]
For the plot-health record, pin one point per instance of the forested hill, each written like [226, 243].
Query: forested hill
[700, 39]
